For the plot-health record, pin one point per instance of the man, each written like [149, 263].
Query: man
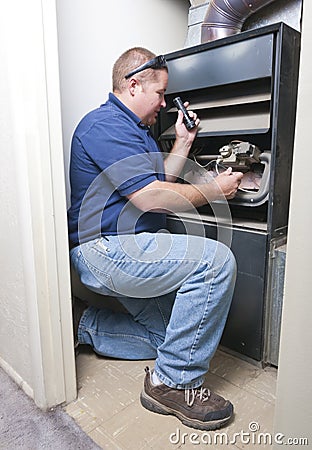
[177, 289]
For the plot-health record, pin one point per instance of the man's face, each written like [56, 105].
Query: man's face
[151, 98]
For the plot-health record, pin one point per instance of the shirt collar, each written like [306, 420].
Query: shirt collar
[115, 100]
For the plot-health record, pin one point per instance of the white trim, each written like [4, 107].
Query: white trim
[36, 120]
[17, 378]
[59, 195]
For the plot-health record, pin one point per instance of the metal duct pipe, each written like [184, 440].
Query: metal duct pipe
[226, 17]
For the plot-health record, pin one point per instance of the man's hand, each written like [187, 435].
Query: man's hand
[184, 138]
[181, 131]
[229, 182]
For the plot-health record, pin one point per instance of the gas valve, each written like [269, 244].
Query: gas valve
[239, 155]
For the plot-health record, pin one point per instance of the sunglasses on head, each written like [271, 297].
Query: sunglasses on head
[156, 63]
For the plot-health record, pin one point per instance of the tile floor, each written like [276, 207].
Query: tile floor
[109, 411]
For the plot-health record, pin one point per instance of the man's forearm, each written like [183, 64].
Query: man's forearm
[164, 196]
[175, 160]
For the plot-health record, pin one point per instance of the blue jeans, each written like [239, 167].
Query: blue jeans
[177, 290]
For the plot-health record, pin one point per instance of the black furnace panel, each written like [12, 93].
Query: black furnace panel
[244, 89]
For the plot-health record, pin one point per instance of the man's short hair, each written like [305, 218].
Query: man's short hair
[128, 61]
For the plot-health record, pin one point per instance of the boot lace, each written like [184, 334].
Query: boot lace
[202, 394]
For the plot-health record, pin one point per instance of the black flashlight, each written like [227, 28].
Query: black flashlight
[188, 121]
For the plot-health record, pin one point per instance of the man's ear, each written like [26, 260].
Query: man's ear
[134, 85]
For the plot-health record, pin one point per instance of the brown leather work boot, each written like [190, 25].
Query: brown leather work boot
[197, 408]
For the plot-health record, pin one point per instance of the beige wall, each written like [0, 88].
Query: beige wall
[13, 314]
[293, 414]
[35, 341]
[91, 37]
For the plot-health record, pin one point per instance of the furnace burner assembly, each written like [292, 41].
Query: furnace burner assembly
[244, 90]
[241, 157]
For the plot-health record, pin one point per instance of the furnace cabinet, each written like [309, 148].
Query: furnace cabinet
[244, 89]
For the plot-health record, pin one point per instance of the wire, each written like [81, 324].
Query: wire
[217, 164]
[206, 165]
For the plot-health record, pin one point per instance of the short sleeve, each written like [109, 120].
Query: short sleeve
[123, 151]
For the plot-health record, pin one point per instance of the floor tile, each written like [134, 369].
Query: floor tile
[109, 410]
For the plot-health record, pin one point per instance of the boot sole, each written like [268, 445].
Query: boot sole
[153, 405]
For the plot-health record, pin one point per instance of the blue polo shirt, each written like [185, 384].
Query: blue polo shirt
[112, 156]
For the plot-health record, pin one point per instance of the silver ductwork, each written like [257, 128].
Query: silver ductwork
[226, 17]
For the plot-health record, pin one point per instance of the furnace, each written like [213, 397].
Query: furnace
[244, 89]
